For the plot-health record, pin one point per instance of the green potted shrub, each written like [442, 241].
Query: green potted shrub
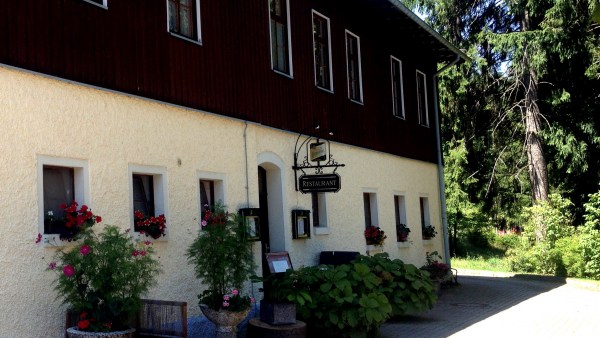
[223, 261]
[102, 277]
[429, 232]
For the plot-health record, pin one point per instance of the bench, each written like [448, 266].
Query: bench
[156, 318]
[337, 257]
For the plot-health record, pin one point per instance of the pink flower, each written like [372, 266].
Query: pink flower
[143, 253]
[204, 223]
[234, 292]
[38, 239]
[85, 249]
[68, 270]
[225, 297]
[252, 300]
[52, 265]
[225, 304]
[135, 253]
[147, 242]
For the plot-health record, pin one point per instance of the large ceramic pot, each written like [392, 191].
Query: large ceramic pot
[226, 321]
[72, 332]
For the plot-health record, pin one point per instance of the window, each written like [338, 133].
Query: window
[422, 99]
[60, 181]
[424, 206]
[354, 67]
[322, 49]
[280, 36]
[148, 191]
[397, 88]
[211, 188]
[319, 209]
[101, 3]
[400, 211]
[370, 208]
[184, 18]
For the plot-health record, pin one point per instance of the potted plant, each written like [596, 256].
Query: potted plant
[151, 226]
[71, 222]
[375, 235]
[223, 261]
[437, 270]
[102, 278]
[402, 232]
[429, 232]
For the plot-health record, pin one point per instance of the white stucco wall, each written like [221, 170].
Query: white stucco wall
[44, 117]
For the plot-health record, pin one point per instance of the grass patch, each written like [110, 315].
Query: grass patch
[493, 263]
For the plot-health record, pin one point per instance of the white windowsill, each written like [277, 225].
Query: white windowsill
[321, 230]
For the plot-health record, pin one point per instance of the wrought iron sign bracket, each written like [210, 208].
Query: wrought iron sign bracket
[317, 156]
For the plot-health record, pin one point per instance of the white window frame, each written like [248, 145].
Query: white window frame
[323, 228]
[397, 111]
[374, 208]
[419, 111]
[289, 42]
[400, 209]
[198, 25]
[424, 211]
[104, 3]
[219, 186]
[360, 77]
[81, 189]
[159, 182]
[312, 19]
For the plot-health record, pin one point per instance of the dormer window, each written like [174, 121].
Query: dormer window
[184, 18]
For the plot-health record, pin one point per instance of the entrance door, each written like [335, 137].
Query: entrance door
[264, 218]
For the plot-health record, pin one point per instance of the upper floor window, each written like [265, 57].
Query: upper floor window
[101, 3]
[422, 99]
[397, 88]
[280, 36]
[353, 67]
[322, 49]
[184, 18]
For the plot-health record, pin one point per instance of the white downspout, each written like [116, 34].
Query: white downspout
[439, 158]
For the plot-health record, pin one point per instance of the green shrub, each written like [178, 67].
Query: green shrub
[537, 259]
[571, 253]
[408, 290]
[353, 300]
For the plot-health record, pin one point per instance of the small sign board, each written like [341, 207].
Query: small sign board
[319, 183]
[318, 152]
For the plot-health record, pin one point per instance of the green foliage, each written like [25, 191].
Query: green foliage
[549, 221]
[103, 276]
[353, 300]
[221, 255]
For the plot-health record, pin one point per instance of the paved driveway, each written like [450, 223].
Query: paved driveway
[492, 305]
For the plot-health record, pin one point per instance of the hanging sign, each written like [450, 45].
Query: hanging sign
[319, 183]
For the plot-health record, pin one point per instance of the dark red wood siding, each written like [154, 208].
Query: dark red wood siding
[127, 48]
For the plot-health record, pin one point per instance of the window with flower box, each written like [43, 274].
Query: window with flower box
[424, 208]
[60, 181]
[184, 19]
[400, 212]
[370, 209]
[148, 198]
[280, 36]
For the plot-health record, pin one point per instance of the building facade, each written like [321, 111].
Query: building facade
[171, 105]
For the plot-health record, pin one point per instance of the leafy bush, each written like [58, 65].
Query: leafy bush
[353, 300]
[408, 290]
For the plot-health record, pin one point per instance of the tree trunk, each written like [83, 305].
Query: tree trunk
[538, 174]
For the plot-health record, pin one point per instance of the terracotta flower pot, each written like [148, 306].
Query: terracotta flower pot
[73, 332]
[225, 321]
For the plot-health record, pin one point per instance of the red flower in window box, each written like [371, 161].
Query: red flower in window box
[73, 221]
[153, 226]
[374, 235]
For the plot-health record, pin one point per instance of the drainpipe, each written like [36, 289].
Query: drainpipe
[436, 109]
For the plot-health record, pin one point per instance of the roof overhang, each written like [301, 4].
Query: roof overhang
[399, 14]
